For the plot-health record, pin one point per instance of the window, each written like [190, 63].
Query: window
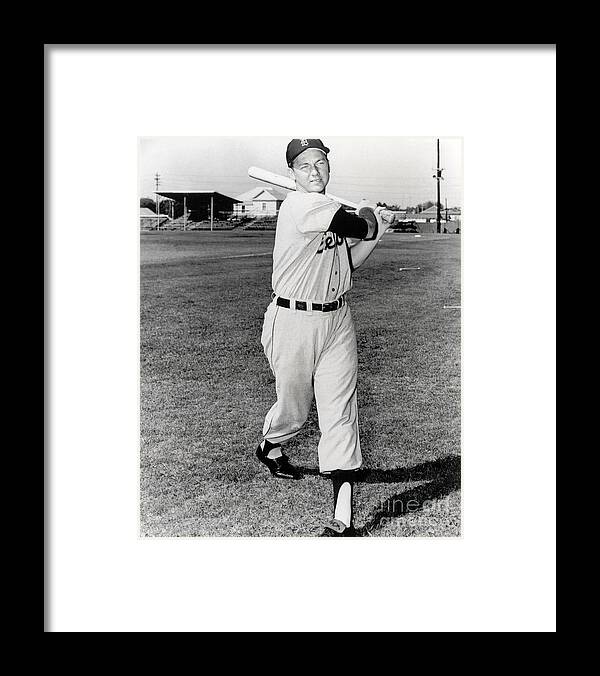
[264, 206]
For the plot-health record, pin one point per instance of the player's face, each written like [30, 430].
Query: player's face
[311, 171]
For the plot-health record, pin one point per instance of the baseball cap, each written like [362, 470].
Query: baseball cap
[299, 145]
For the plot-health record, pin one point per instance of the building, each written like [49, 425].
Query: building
[199, 206]
[453, 219]
[259, 202]
[427, 220]
[150, 221]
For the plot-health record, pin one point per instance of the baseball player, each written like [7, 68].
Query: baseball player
[308, 334]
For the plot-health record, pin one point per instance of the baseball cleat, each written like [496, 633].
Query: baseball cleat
[337, 529]
[279, 467]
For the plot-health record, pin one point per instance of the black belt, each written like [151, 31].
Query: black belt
[303, 305]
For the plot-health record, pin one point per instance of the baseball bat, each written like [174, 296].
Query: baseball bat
[289, 183]
[364, 211]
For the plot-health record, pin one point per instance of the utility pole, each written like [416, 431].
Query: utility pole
[438, 178]
[157, 181]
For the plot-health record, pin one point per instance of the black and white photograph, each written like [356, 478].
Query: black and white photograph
[300, 336]
[296, 293]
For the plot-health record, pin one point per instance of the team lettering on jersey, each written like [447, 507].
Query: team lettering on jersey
[329, 241]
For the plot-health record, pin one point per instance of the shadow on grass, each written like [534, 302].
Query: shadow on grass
[442, 477]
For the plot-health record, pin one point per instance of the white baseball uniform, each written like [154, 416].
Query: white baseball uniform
[311, 352]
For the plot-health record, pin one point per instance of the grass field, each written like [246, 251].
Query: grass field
[206, 387]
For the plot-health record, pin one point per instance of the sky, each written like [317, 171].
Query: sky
[392, 169]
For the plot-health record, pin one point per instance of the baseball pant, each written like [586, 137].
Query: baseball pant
[314, 354]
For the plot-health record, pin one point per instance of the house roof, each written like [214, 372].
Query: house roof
[197, 199]
[248, 196]
[431, 211]
[262, 193]
[270, 195]
[145, 212]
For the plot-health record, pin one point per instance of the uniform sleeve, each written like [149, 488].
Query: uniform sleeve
[312, 212]
[349, 225]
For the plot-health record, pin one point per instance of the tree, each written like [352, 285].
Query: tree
[424, 205]
[391, 207]
[147, 203]
[164, 207]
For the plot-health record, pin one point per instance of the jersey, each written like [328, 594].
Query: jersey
[309, 262]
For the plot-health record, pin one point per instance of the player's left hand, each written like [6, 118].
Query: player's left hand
[387, 216]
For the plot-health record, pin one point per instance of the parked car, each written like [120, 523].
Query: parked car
[406, 226]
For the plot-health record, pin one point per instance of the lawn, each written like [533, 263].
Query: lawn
[206, 387]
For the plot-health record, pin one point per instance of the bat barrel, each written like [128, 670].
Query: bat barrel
[270, 177]
[288, 183]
